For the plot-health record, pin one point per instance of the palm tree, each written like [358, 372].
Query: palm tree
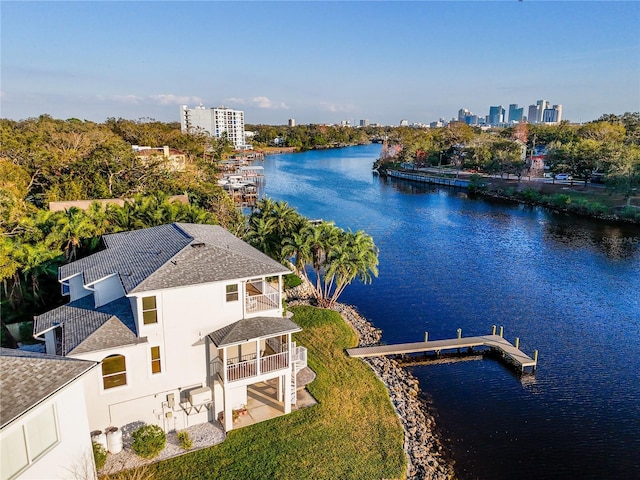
[74, 226]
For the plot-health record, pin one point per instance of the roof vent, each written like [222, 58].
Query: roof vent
[197, 244]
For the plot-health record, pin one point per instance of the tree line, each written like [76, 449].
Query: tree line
[609, 146]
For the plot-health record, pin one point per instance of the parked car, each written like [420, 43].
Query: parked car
[563, 176]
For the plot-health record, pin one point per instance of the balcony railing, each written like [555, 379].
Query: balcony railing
[247, 366]
[267, 299]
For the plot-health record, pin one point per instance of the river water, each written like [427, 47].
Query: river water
[567, 286]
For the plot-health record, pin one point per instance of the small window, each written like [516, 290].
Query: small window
[149, 310]
[232, 292]
[114, 371]
[156, 367]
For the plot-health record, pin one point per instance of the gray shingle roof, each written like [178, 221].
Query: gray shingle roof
[27, 379]
[174, 255]
[86, 328]
[251, 328]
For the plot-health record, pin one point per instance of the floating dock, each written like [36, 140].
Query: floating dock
[509, 352]
[432, 179]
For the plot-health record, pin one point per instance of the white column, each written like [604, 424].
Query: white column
[258, 356]
[228, 414]
[287, 391]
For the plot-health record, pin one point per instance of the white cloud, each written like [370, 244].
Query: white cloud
[170, 99]
[258, 102]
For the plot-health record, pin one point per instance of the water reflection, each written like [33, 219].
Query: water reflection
[615, 241]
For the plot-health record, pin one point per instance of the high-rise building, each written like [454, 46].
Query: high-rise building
[365, 122]
[496, 115]
[532, 116]
[462, 113]
[542, 105]
[552, 115]
[292, 122]
[215, 121]
[515, 113]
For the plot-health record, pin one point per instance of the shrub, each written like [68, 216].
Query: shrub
[291, 280]
[185, 440]
[148, 441]
[99, 455]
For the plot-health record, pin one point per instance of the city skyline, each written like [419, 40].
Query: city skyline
[317, 62]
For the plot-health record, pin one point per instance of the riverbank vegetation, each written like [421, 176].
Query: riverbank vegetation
[326, 256]
[603, 156]
[352, 433]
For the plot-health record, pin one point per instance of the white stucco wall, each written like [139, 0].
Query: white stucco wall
[185, 317]
[107, 290]
[72, 456]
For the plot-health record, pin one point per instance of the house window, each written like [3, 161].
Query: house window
[149, 310]
[156, 367]
[114, 371]
[28, 442]
[232, 292]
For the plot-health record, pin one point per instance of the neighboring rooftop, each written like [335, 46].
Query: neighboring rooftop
[27, 379]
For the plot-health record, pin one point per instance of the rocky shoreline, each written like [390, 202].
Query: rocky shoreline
[426, 456]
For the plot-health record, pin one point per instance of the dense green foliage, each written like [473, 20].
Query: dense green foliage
[148, 441]
[353, 432]
[304, 137]
[321, 252]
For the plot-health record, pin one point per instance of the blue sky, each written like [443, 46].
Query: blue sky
[317, 61]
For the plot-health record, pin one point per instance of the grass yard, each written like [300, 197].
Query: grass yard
[353, 432]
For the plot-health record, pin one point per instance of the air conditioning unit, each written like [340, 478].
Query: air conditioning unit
[199, 396]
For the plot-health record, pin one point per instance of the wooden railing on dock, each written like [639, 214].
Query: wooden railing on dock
[496, 342]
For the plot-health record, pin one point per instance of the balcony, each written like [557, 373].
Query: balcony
[248, 366]
[260, 297]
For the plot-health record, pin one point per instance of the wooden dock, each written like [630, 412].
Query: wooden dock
[495, 342]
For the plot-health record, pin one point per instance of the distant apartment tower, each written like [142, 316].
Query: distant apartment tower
[292, 122]
[404, 123]
[216, 122]
[552, 115]
[515, 113]
[496, 115]
[365, 122]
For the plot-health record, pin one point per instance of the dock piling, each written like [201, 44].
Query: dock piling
[493, 330]
[459, 333]
[501, 331]
[426, 337]
[517, 342]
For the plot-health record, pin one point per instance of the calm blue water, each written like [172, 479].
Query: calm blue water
[566, 286]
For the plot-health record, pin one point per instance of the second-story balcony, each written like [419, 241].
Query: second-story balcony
[260, 296]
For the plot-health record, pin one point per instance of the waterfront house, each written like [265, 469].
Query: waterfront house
[44, 431]
[182, 319]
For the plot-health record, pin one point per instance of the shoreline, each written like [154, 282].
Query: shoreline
[426, 456]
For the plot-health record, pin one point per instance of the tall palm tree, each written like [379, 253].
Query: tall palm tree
[74, 226]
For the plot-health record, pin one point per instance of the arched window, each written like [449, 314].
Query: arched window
[114, 371]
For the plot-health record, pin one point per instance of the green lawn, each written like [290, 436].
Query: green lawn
[353, 432]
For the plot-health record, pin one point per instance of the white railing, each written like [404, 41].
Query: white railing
[241, 370]
[267, 300]
[259, 303]
[238, 370]
[299, 354]
[274, 362]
